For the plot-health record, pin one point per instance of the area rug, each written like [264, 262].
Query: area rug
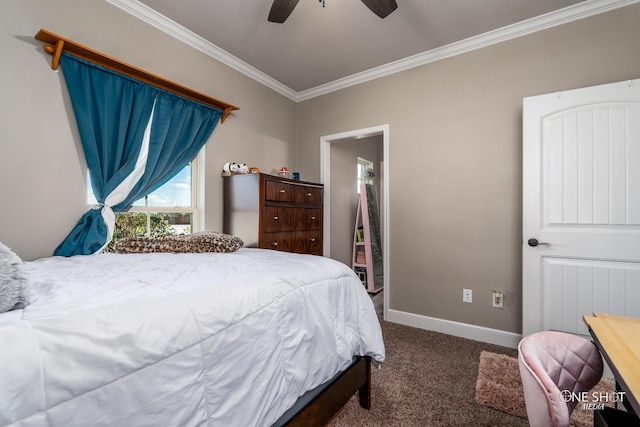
[499, 387]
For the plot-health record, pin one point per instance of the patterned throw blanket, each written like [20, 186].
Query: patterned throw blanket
[206, 241]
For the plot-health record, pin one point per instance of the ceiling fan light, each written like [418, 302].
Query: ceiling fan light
[281, 9]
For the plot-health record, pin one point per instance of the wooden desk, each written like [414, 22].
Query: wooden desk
[616, 317]
[618, 339]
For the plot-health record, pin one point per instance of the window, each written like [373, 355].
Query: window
[170, 210]
[365, 172]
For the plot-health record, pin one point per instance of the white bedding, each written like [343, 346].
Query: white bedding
[217, 339]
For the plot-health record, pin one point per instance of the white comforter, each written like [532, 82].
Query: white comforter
[179, 339]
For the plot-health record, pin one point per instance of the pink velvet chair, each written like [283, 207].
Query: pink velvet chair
[551, 362]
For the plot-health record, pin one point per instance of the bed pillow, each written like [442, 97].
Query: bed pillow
[13, 279]
[206, 241]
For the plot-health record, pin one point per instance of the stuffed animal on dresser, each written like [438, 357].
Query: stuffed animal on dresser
[232, 167]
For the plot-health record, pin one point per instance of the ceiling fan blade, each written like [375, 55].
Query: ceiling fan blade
[281, 9]
[382, 8]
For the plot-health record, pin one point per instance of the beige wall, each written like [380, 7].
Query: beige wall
[455, 158]
[42, 170]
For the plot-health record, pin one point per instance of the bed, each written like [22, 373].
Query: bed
[248, 338]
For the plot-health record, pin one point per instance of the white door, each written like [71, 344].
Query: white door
[581, 203]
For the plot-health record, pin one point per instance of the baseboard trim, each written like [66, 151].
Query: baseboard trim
[463, 330]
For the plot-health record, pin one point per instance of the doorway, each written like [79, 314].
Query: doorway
[325, 177]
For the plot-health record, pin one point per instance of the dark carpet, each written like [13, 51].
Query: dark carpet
[428, 379]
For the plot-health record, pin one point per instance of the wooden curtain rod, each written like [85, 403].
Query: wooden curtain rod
[57, 44]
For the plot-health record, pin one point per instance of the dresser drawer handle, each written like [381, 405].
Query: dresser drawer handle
[274, 244]
[309, 194]
[275, 218]
[313, 240]
[313, 218]
[283, 191]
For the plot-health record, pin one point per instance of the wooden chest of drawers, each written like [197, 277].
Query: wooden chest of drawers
[270, 212]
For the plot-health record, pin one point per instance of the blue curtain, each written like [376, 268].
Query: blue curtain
[180, 129]
[112, 112]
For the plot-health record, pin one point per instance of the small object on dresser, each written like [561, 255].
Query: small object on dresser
[284, 172]
[230, 168]
[296, 176]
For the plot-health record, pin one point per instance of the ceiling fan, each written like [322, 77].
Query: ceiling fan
[281, 9]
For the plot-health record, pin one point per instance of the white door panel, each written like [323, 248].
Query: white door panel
[576, 287]
[582, 199]
[590, 177]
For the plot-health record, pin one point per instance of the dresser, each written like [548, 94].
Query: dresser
[271, 212]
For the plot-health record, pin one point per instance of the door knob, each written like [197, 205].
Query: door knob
[534, 242]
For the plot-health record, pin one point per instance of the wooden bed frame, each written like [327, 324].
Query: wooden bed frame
[318, 406]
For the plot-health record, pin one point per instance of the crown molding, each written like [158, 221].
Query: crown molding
[572, 13]
[161, 22]
[542, 22]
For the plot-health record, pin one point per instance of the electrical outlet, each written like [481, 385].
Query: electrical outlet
[467, 296]
[498, 299]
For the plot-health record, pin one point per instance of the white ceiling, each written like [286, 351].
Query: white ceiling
[318, 48]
